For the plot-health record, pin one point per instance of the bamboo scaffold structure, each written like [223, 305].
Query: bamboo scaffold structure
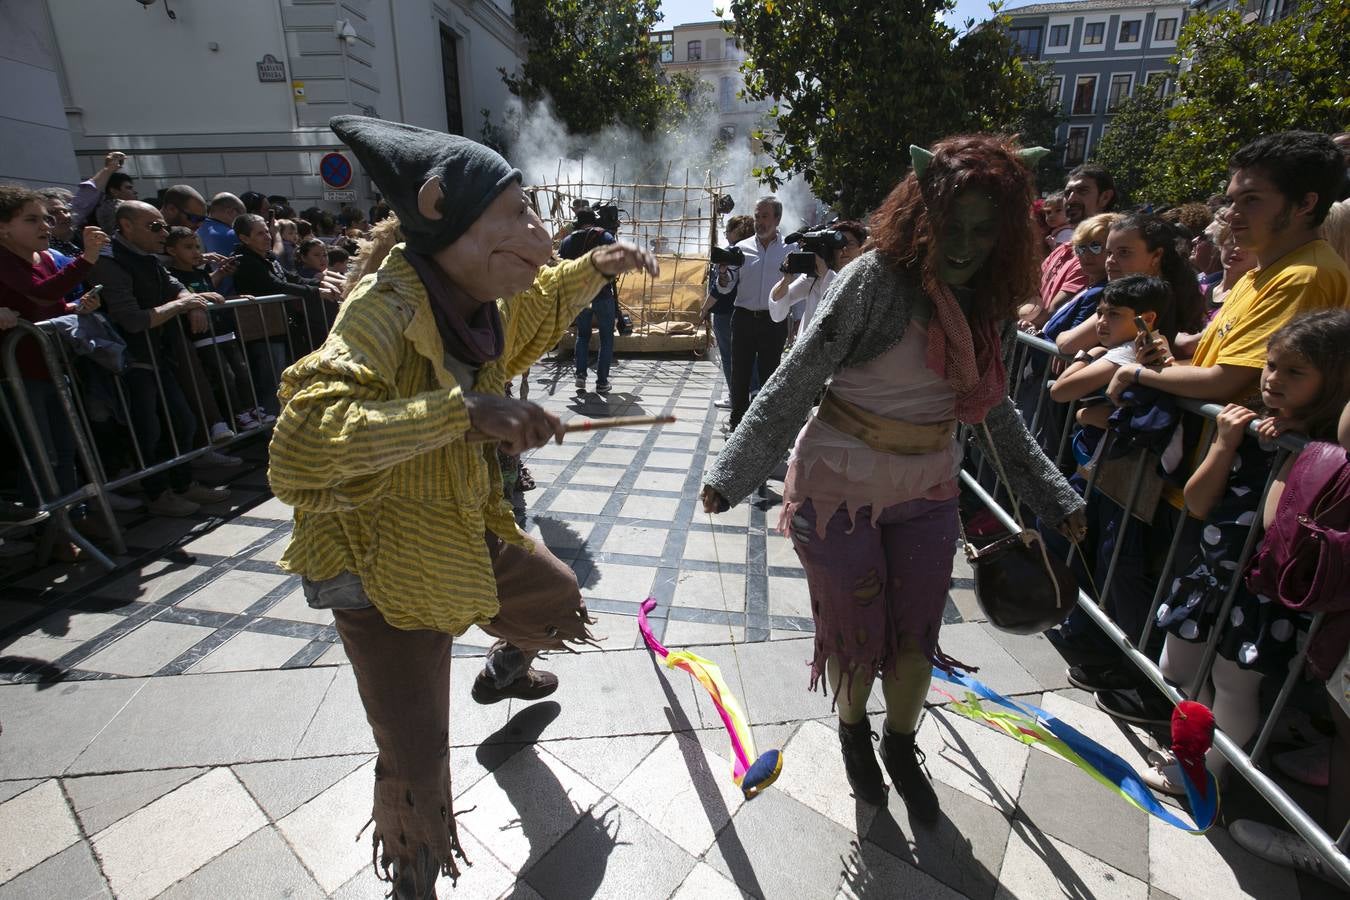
[679, 221]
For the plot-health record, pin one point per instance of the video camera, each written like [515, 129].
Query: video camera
[604, 215]
[821, 242]
[727, 256]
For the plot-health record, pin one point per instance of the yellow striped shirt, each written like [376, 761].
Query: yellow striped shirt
[369, 448]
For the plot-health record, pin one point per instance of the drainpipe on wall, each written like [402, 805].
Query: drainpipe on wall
[398, 67]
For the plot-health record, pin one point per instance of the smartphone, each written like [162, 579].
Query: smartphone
[1142, 326]
[89, 298]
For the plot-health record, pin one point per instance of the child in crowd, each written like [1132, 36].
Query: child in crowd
[1142, 296]
[338, 258]
[1304, 386]
[1058, 229]
[311, 259]
[216, 344]
[290, 242]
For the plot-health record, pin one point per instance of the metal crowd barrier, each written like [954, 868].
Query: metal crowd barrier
[1028, 376]
[269, 332]
[36, 471]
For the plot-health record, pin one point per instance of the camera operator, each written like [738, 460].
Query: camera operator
[843, 245]
[723, 277]
[594, 227]
[756, 339]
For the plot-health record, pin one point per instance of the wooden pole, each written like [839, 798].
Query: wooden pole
[616, 422]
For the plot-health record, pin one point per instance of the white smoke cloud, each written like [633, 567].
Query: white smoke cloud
[544, 150]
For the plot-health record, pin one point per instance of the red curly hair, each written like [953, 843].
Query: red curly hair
[906, 224]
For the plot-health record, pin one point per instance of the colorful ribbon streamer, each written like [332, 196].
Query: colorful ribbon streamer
[1030, 724]
[751, 777]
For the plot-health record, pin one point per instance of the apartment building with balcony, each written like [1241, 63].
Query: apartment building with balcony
[1101, 52]
[707, 51]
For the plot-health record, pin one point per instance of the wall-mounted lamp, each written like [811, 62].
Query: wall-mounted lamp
[344, 31]
[149, 3]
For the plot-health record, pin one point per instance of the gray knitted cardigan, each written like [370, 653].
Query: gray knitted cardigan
[864, 314]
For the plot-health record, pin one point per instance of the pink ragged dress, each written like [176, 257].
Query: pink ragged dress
[832, 469]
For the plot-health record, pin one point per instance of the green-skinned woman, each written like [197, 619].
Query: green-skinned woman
[913, 338]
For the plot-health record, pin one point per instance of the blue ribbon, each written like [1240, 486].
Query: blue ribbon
[1117, 771]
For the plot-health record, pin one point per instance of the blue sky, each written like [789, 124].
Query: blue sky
[678, 12]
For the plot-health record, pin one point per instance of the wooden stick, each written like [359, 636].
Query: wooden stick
[617, 422]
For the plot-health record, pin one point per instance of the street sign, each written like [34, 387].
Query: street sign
[335, 170]
[340, 196]
[271, 69]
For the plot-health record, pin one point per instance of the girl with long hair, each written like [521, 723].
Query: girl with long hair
[1143, 244]
[913, 337]
[1304, 387]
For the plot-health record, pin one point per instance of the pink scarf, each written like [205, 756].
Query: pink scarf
[972, 363]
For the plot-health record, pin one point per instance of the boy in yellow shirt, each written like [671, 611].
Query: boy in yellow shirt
[1281, 188]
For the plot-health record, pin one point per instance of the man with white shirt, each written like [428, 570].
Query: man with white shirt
[756, 339]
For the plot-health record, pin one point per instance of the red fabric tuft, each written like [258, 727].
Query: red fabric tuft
[1192, 736]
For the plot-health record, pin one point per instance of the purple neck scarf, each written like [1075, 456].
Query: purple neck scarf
[476, 340]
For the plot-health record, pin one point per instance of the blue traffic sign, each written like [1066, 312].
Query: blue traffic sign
[335, 170]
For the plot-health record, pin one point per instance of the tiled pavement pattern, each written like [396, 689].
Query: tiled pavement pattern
[188, 728]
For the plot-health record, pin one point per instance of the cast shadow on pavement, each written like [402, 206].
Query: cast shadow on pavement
[714, 807]
[532, 785]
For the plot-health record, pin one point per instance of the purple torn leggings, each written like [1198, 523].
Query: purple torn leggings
[877, 581]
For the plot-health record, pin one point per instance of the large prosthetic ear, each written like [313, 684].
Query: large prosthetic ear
[921, 159]
[429, 197]
[1031, 156]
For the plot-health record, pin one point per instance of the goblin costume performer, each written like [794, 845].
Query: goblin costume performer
[914, 337]
[387, 449]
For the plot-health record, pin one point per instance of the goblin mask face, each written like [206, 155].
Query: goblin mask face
[967, 238]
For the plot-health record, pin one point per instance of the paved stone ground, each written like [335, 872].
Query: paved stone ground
[187, 727]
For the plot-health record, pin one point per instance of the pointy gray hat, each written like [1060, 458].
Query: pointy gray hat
[409, 164]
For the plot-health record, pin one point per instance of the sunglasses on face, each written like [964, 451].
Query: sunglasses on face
[1095, 248]
[158, 226]
[194, 218]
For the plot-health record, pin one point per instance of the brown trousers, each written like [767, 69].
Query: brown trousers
[404, 681]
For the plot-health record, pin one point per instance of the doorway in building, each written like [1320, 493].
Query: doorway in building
[454, 111]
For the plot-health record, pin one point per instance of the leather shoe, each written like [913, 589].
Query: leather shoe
[1141, 707]
[533, 685]
[1105, 678]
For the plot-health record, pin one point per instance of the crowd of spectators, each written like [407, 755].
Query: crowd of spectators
[1243, 302]
[152, 279]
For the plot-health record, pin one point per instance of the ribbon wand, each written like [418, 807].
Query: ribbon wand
[751, 773]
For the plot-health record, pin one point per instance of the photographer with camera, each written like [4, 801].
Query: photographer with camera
[825, 252]
[594, 227]
[723, 277]
[756, 339]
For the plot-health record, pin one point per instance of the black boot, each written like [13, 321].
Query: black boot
[904, 761]
[860, 763]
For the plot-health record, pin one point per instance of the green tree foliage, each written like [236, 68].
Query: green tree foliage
[857, 83]
[594, 61]
[1130, 145]
[1245, 80]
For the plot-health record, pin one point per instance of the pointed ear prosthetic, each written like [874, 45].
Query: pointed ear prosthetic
[428, 196]
[1031, 156]
[414, 168]
[921, 159]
